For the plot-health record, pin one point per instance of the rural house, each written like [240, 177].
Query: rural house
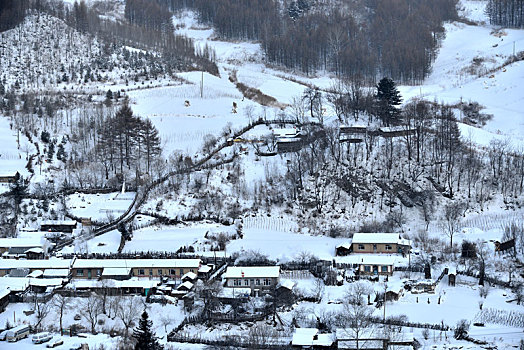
[375, 243]
[121, 269]
[260, 279]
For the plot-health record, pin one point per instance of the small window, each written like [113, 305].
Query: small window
[367, 268]
[192, 270]
[172, 272]
[160, 272]
[384, 269]
[267, 282]
[141, 272]
[246, 282]
[98, 272]
[150, 272]
[360, 247]
[236, 282]
[181, 272]
[79, 272]
[389, 247]
[257, 282]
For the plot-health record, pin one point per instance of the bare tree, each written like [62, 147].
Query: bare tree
[91, 308]
[128, 311]
[452, 215]
[318, 289]
[61, 304]
[357, 321]
[103, 289]
[42, 310]
[356, 292]
[482, 253]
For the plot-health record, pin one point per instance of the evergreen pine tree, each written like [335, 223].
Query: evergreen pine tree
[144, 336]
[388, 98]
[18, 191]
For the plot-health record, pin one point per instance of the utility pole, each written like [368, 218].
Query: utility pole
[202, 86]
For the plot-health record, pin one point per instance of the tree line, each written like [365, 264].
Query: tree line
[12, 12]
[148, 27]
[127, 141]
[508, 13]
[369, 39]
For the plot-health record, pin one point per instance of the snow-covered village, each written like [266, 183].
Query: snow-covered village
[261, 174]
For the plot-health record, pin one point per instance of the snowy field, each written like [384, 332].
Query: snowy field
[99, 207]
[11, 158]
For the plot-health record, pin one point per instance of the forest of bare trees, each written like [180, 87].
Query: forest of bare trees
[148, 27]
[366, 38]
[507, 13]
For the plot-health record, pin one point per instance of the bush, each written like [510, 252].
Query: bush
[469, 250]
[461, 331]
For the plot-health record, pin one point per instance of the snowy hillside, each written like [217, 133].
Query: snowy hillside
[472, 65]
[249, 165]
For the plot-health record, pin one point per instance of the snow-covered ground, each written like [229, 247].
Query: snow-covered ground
[99, 207]
[457, 77]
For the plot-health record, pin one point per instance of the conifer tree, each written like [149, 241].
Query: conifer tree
[388, 98]
[144, 335]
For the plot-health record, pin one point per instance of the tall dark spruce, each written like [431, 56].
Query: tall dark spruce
[144, 336]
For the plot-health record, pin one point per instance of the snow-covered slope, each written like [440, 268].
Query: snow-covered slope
[472, 65]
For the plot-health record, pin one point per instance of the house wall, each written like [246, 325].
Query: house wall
[262, 284]
[86, 273]
[369, 269]
[156, 272]
[7, 179]
[172, 272]
[374, 248]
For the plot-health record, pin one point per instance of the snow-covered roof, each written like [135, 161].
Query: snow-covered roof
[36, 274]
[15, 284]
[362, 344]
[252, 272]
[393, 128]
[55, 273]
[387, 238]
[28, 242]
[46, 282]
[345, 245]
[187, 285]
[324, 339]
[360, 126]
[285, 132]
[35, 264]
[134, 263]
[204, 269]
[190, 275]
[304, 336]
[288, 140]
[116, 271]
[4, 292]
[289, 284]
[36, 250]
